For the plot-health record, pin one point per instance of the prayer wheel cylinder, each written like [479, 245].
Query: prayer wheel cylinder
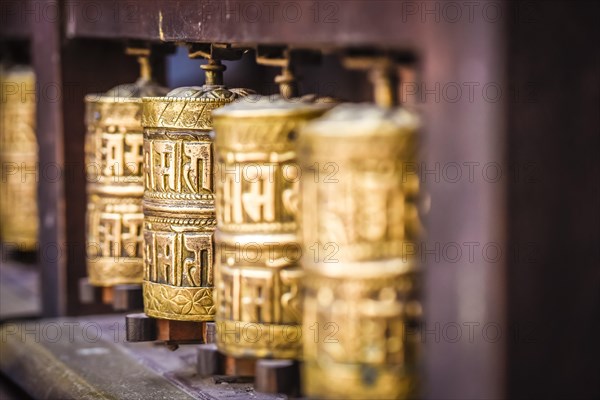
[179, 205]
[115, 183]
[257, 272]
[359, 219]
[19, 158]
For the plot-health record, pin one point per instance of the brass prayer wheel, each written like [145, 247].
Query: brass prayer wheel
[257, 272]
[358, 216]
[19, 158]
[179, 206]
[115, 180]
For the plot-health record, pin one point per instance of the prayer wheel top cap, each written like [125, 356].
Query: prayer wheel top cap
[188, 107]
[274, 106]
[208, 92]
[130, 91]
[16, 69]
[141, 88]
[357, 119]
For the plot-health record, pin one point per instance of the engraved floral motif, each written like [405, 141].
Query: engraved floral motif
[180, 303]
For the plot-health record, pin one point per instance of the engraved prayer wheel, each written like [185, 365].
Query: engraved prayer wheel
[18, 158]
[115, 180]
[257, 272]
[359, 219]
[179, 206]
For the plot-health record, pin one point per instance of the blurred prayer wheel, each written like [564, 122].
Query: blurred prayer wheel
[114, 168]
[358, 219]
[179, 206]
[257, 275]
[19, 158]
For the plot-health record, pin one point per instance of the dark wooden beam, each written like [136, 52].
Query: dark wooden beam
[47, 62]
[16, 19]
[463, 131]
[304, 22]
[554, 217]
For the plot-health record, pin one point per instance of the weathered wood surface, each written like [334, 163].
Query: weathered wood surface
[88, 358]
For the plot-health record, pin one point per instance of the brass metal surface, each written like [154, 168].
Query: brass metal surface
[257, 275]
[178, 205]
[358, 218]
[19, 158]
[115, 181]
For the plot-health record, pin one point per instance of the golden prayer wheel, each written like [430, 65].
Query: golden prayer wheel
[18, 158]
[179, 205]
[358, 215]
[115, 180]
[256, 268]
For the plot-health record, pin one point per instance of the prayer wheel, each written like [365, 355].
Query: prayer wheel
[19, 158]
[358, 219]
[115, 180]
[256, 270]
[179, 203]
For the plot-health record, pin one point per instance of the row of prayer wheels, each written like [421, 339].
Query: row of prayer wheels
[285, 220]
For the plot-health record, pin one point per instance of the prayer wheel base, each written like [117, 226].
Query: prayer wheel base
[18, 252]
[89, 294]
[125, 297]
[278, 377]
[240, 367]
[211, 362]
[142, 328]
[174, 333]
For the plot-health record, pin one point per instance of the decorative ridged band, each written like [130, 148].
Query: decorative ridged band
[180, 113]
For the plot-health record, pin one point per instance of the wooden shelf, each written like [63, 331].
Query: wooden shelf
[89, 358]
